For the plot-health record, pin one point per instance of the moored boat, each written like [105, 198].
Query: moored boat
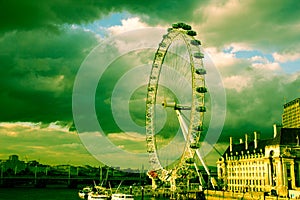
[83, 193]
[99, 192]
[96, 195]
[120, 196]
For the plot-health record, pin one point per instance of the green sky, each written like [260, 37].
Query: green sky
[254, 45]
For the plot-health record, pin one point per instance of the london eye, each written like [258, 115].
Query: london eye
[179, 52]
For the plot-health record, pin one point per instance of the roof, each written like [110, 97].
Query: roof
[292, 102]
[285, 136]
[289, 136]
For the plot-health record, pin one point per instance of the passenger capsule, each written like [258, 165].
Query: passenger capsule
[201, 89]
[195, 42]
[198, 55]
[162, 44]
[175, 26]
[186, 27]
[191, 33]
[180, 25]
[201, 109]
[200, 71]
[165, 36]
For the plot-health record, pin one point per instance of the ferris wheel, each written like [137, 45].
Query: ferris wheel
[190, 115]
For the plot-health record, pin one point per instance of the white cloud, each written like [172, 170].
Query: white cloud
[240, 73]
[220, 58]
[129, 136]
[267, 67]
[285, 57]
[237, 82]
[126, 41]
[58, 127]
[236, 47]
[127, 25]
[29, 129]
[259, 59]
[30, 125]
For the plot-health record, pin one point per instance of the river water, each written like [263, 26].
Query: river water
[38, 194]
[43, 194]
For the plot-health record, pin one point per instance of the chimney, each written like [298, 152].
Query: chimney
[256, 138]
[275, 130]
[230, 144]
[246, 141]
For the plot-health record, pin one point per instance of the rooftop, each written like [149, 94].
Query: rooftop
[284, 136]
[291, 102]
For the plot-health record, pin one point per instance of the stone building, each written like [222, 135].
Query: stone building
[291, 114]
[269, 165]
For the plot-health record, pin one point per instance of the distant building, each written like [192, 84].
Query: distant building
[270, 165]
[291, 114]
[14, 164]
[13, 158]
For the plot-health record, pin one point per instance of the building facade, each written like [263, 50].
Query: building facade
[270, 165]
[291, 114]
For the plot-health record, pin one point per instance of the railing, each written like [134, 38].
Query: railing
[42, 181]
[214, 195]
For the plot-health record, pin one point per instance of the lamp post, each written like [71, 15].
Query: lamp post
[100, 174]
[2, 172]
[35, 175]
[69, 173]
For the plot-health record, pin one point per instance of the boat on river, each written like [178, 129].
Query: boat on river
[98, 196]
[96, 192]
[120, 196]
[84, 192]
[99, 192]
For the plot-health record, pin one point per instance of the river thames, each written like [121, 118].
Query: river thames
[44, 194]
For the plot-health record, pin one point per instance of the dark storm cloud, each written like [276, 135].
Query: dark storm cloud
[259, 106]
[268, 25]
[37, 73]
[24, 15]
[40, 52]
